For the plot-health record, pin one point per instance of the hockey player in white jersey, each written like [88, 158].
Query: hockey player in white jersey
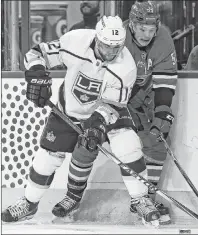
[100, 75]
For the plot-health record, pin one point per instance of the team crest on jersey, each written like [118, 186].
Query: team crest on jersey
[143, 71]
[85, 89]
[50, 136]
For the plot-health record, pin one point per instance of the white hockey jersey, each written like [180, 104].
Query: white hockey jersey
[88, 81]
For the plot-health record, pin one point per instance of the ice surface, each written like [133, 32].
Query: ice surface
[101, 212]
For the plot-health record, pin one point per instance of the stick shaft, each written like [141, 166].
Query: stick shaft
[122, 165]
[179, 166]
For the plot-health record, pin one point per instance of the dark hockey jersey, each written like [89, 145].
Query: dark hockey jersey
[157, 59]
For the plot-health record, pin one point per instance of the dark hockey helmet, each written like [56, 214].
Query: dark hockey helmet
[144, 12]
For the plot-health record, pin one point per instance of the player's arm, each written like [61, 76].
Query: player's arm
[116, 95]
[164, 84]
[41, 57]
[44, 54]
[165, 79]
[113, 98]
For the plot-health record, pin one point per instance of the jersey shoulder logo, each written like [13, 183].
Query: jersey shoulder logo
[85, 89]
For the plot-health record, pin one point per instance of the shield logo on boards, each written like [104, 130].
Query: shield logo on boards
[86, 90]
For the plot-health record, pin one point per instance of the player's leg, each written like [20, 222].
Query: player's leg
[126, 145]
[57, 138]
[40, 177]
[79, 170]
[155, 155]
[141, 108]
[154, 152]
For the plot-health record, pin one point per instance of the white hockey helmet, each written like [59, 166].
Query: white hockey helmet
[110, 30]
[110, 37]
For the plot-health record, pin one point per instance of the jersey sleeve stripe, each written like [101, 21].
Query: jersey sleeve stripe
[164, 85]
[160, 76]
[33, 62]
[164, 81]
[164, 73]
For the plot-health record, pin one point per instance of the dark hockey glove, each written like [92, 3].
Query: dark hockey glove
[38, 87]
[94, 132]
[163, 119]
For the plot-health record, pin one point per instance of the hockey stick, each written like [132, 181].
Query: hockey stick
[179, 166]
[124, 166]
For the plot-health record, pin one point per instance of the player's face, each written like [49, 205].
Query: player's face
[106, 52]
[89, 7]
[144, 33]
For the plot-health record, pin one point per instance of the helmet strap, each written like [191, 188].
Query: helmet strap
[97, 53]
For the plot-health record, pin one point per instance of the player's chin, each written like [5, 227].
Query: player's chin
[144, 42]
[110, 57]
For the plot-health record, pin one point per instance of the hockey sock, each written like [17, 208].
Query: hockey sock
[77, 178]
[154, 172]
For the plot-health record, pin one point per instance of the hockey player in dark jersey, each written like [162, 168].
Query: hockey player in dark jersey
[153, 50]
[100, 76]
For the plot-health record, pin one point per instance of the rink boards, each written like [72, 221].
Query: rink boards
[22, 125]
[106, 202]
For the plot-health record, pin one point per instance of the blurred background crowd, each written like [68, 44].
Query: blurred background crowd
[26, 23]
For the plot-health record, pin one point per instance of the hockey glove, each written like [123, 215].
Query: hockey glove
[94, 132]
[38, 87]
[163, 119]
